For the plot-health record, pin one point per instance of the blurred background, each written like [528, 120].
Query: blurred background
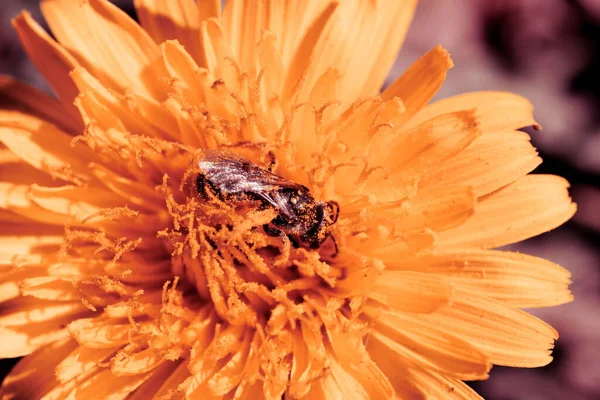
[549, 52]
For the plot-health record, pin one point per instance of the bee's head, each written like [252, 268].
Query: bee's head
[326, 215]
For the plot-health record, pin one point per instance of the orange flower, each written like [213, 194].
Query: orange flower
[120, 280]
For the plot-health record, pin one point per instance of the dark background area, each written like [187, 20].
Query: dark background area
[549, 52]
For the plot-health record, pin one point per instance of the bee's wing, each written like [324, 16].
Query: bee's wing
[278, 201]
[234, 174]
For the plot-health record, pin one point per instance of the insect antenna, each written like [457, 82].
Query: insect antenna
[334, 208]
[335, 246]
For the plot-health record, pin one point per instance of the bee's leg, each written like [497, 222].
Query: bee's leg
[293, 241]
[201, 186]
[246, 143]
[334, 209]
[272, 161]
[316, 244]
[335, 246]
[272, 231]
[276, 232]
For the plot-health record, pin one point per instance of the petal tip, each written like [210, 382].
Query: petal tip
[445, 56]
[24, 17]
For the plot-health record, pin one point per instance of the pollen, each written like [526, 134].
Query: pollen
[252, 280]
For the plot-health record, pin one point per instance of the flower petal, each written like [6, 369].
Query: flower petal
[33, 376]
[354, 367]
[440, 208]
[176, 20]
[341, 45]
[63, 390]
[156, 114]
[412, 380]
[497, 111]
[44, 146]
[429, 346]
[181, 66]
[411, 291]
[271, 63]
[135, 364]
[160, 377]
[171, 384]
[515, 279]
[209, 8]
[532, 205]
[393, 21]
[49, 288]
[352, 387]
[291, 23]
[99, 334]
[421, 81]
[18, 341]
[105, 385]
[421, 149]
[491, 161]
[9, 218]
[26, 311]
[243, 22]
[10, 287]
[24, 257]
[310, 357]
[19, 237]
[109, 109]
[328, 388]
[16, 198]
[74, 203]
[226, 377]
[300, 59]
[77, 268]
[304, 134]
[394, 367]
[508, 336]
[406, 244]
[288, 21]
[217, 53]
[14, 170]
[105, 41]
[352, 42]
[79, 361]
[130, 191]
[19, 96]
[52, 60]
[249, 391]
[198, 390]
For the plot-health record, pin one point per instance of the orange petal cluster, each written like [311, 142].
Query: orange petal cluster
[119, 281]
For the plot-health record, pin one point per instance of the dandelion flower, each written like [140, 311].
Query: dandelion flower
[120, 281]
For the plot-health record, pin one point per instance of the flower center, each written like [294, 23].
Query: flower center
[233, 293]
[220, 249]
[282, 296]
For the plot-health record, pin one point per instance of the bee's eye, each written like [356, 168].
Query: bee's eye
[294, 200]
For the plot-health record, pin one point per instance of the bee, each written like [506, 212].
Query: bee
[302, 219]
